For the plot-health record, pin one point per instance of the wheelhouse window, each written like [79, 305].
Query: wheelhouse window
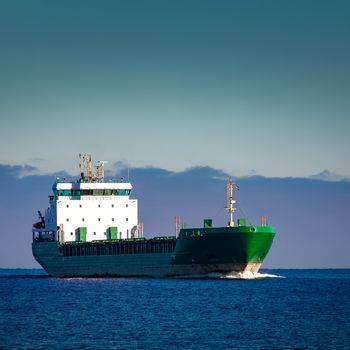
[91, 192]
[123, 192]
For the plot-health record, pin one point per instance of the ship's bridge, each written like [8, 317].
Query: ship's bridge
[92, 188]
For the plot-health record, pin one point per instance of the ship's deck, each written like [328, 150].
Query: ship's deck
[130, 246]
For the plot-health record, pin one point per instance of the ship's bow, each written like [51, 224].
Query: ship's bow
[223, 250]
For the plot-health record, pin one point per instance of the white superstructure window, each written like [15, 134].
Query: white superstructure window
[67, 206]
[67, 219]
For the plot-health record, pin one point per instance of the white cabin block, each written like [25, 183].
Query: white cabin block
[96, 206]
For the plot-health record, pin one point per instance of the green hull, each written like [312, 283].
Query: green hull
[224, 245]
[197, 251]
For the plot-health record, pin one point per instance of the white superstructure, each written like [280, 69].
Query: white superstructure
[90, 209]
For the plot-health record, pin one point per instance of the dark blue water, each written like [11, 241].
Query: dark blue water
[309, 309]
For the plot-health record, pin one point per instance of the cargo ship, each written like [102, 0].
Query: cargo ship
[91, 229]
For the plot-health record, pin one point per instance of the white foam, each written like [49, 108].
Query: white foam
[247, 275]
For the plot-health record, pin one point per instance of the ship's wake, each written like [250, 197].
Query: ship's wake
[247, 275]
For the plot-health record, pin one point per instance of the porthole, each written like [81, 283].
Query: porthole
[252, 229]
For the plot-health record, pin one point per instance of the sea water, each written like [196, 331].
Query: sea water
[275, 309]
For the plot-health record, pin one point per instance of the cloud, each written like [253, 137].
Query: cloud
[117, 167]
[327, 175]
[17, 171]
[23, 171]
[202, 172]
[303, 210]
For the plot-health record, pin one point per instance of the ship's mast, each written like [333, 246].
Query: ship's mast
[86, 169]
[100, 171]
[86, 166]
[230, 201]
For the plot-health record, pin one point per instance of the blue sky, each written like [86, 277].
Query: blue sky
[243, 86]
